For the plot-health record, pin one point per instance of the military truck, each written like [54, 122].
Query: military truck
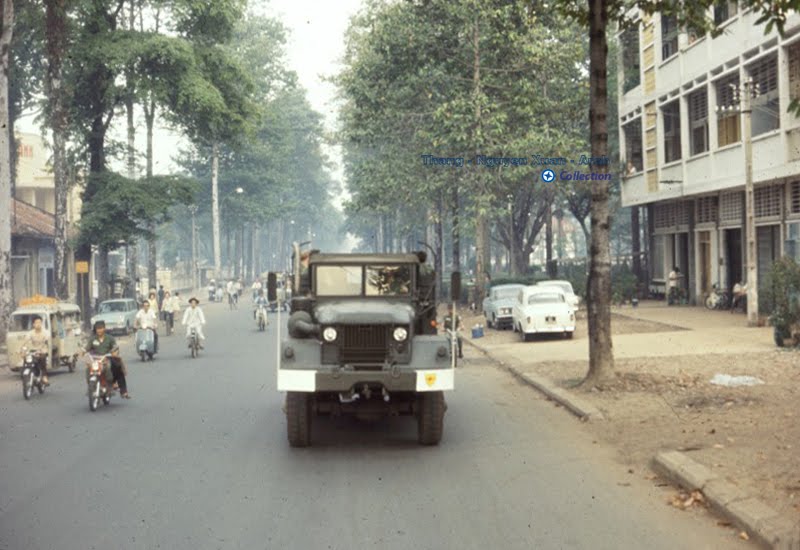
[362, 340]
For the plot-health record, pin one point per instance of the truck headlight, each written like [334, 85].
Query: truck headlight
[505, 311]
[329, 334]
[400, 334]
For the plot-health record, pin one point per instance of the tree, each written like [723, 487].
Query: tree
[595, 16]
[56, 47]
[6, 305]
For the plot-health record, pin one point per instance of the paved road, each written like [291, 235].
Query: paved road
[199, 459]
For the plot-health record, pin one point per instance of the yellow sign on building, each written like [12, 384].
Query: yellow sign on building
[81, 267]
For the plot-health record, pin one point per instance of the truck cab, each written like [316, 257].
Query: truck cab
[362, 340]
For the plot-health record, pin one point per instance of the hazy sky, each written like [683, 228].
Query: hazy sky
[315, 47]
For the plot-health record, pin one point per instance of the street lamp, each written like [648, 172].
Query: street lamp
[741, 104]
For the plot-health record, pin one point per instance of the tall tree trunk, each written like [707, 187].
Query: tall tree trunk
[438, 246]
[454, 207]
[636, 245]
[132, 252]
[552, 271]
[152, 252]
[482, 253]
[6, 294]
[103, 274]
[601, 357]
[55, 46]
[215, 209]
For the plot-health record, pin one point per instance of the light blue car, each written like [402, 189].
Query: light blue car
[118, 315]
[498, 305]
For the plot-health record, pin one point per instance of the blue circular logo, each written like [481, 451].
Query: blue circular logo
[548, 176]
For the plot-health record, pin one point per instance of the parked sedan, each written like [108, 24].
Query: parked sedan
[542, 309]
[119, 315]
[498, 305]
[572, 298]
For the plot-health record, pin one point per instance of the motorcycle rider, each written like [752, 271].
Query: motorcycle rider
[193, 318]
[261, 300]
[146, 318]
[102, 344]
[37, 343]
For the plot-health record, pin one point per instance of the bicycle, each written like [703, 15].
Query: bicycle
[718, 298]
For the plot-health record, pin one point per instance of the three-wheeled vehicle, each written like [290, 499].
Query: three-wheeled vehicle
[61, 321]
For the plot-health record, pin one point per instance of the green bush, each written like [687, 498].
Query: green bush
[779, 295]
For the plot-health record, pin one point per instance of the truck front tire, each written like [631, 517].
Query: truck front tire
[430, 417]
[298, 418]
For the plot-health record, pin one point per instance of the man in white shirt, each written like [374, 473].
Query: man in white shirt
[146, 318]
[193, 318]
[255, 288]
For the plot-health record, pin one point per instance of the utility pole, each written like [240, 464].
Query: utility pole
[511, 235]
[193, 210]
[742, 103]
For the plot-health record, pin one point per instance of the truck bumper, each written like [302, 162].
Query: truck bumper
[341, 381]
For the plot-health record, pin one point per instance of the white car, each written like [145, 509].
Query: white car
[542, 309]
[572, 298]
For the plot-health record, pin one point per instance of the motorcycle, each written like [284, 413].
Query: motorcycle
[31, 375]
[718, 298]
[99, 381]
[194, 343]
[261, 318]
[145, 344]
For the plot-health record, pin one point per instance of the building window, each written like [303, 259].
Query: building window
[671, 114]
[682, 212]
[767, 201]
[793, 52]
[669, 36]
[25, 151]
[731, 207]
[727, 122]
[766, 107]
[630, 59]
[794, 197]
[698, 122]
[633, 146]
[724, 11]
[707, 209]
[792, 244]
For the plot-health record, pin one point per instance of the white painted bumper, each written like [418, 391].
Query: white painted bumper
[551, 329]
[426, 380]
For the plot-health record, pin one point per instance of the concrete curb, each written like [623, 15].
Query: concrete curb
[759, 521]
[573, 403]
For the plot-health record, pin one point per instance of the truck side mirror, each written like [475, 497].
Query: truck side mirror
[455, 286]
[272, 287]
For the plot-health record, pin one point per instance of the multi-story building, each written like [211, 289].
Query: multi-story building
[684, 158]
[33, 220]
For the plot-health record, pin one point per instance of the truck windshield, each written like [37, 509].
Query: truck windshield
[339, 280]
[391, 280]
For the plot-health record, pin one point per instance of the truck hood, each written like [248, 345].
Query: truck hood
[504, 302]
[364, 312]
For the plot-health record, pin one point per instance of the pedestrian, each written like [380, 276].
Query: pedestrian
[161, 295]
[673, 291]
[171, 308]
[256, 288]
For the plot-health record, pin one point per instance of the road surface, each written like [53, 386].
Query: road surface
[199, 459]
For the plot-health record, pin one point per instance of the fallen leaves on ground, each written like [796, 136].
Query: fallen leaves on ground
[685, 500]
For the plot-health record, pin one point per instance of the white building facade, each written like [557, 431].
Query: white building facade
[685, 163]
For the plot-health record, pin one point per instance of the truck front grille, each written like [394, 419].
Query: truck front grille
[364, 344]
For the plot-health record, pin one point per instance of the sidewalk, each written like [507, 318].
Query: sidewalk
[662, 399]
